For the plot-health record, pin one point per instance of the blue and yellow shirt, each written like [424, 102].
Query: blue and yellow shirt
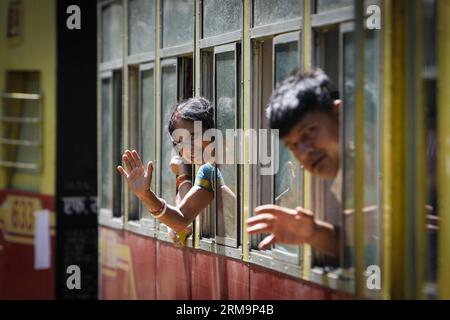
[206, 177]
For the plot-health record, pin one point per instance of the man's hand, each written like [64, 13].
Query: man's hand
[284, 225]
[138, 179]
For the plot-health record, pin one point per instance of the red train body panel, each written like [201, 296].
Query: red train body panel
[138, 267]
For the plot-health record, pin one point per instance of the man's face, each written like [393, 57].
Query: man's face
[314, 141]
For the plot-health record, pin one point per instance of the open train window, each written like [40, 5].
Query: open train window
[176, 85]
[275, 58]
[226, 101]
[220, 224]
[325, 204]
[220, 228]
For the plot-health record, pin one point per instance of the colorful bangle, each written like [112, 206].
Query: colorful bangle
[184, 182]
[181, 179]
[161, 212]
[161, 207]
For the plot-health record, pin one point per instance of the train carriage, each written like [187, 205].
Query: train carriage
[138, 59]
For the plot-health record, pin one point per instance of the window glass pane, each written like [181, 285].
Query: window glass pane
[169, 99]
[148, 124]
[221, 16]
[141, 29]
[269, 11]
[288, 184]
[328, 5]
[112, 32]
[106, 144]
[226, 119]
[178, 25]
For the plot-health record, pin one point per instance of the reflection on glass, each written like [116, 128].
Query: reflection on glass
[169, 99]
[178, 25]
[221, 17]
[141, 28]
[106, 144]
[328, 5]
[226, 119]
[269, 11]
[288, 183]
[148, 122]
[112, 32]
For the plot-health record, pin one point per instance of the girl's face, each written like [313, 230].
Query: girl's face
[190, 144]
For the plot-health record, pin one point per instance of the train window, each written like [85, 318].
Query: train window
[325, 204]
[141, 26]
[148, 121]
[106, 145]
[142, 130]
[180, 27]
[274, 59]
[176, 85]
[329, 5]
[112, 31]
[221, 17]
[112, 143]
[267, 12]
[220, 222]
[226, 112]
[118, 145]
[288, 182]
[168, 100]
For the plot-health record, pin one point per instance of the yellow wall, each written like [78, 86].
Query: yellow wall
[37, 52]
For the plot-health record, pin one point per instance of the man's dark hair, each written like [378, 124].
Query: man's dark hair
[297, 95]
[195, 109]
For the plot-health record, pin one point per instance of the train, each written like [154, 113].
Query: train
[73, 99]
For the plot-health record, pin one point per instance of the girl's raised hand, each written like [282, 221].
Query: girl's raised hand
[138, 178]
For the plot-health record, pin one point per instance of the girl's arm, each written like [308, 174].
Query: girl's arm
[175, 217]
[181, 216]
